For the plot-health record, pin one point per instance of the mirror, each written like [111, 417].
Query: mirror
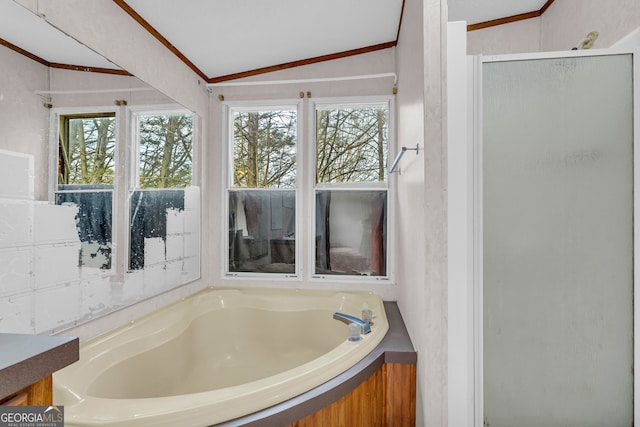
[99, 207]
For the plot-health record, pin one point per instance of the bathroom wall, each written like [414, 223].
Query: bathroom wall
[38, 261]
[567, 22]
[24, 121]
[422, 241]
[516, 37]
[141, 58]
[42, 289]
[119, 38]
[108, 35]
[380, 62]
[563, 25]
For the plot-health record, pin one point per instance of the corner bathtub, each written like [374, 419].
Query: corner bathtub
[215, 356]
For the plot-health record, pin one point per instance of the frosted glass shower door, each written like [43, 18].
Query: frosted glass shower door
[557, 230]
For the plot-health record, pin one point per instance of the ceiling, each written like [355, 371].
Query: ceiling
[225, 39]
[23, 29]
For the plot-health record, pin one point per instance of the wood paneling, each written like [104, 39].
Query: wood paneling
[18, 400]
[41, 393]
[400, 402]
[37, 394]
[386, 399]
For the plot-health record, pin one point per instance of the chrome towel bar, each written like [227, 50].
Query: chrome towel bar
[399, 156]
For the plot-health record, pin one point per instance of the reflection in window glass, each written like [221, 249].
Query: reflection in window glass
[165, 169]
[165, 150]
[351, 144]
[261, 210]
[148, 219]
[351, 233]
[262, 231]
[264, 149]
[86, 159]
[93, 221]
[86, 152]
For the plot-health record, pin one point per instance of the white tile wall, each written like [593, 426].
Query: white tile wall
[57, 307]
[16, 314]
[175, 247]
[16, 271]
[56, 264]
[155, 277]
[42, 289]
[191, 244]
[154, 251]
[175, 221]
[16, 223]
[46, 214]
[16, 175]
[95, 296]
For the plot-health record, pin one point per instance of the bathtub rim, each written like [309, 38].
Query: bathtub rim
[395, 347]
[121, 332]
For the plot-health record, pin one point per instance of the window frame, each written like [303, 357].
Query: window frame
[306, 187]
[134, 114]
[132, 179]
[228, 110]
[349, 102]
[126, 157]
[54, 144]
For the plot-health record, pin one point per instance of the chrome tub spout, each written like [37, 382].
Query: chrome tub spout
[348, 319]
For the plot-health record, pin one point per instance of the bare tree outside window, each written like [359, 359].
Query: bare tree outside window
[351, 144]
[86, 164]
[86, 149]
[262, 204]
[166, 143]
[351, 221]
[264, 149]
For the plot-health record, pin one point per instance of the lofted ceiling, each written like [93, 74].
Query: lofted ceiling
[26, 32]
[226, 39]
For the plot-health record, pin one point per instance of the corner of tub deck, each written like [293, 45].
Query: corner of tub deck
[27, 359]
[395, 348]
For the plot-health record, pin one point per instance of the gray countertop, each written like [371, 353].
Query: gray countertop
[26, 359]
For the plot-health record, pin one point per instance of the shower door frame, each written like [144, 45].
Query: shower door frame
[475, 405]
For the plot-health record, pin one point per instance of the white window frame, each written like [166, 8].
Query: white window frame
[229, 108]
[133, 150]
[125, 154]
[134, 114]
[356, 102]
[54, 132]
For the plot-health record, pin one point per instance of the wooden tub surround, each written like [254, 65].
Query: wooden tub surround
[380, 390]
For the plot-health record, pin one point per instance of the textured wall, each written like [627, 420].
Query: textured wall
[421, 200]
[24, 121]
[517, 37]
[563, 25]
[567, 22]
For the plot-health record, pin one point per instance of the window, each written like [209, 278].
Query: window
[346, 190]
[86, 164]
[262, 190]
[351, 144]
[164, 168]
[165, 148]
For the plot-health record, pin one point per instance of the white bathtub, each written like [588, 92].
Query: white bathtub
[215, 356]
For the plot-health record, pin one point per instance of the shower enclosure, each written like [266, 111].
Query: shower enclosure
[554, 241]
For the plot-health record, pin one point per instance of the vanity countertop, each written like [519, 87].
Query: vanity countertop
[26, 359]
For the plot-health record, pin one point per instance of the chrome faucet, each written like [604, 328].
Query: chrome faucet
[348, 319]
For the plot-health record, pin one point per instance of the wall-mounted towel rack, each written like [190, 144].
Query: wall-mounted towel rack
[399, 156]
